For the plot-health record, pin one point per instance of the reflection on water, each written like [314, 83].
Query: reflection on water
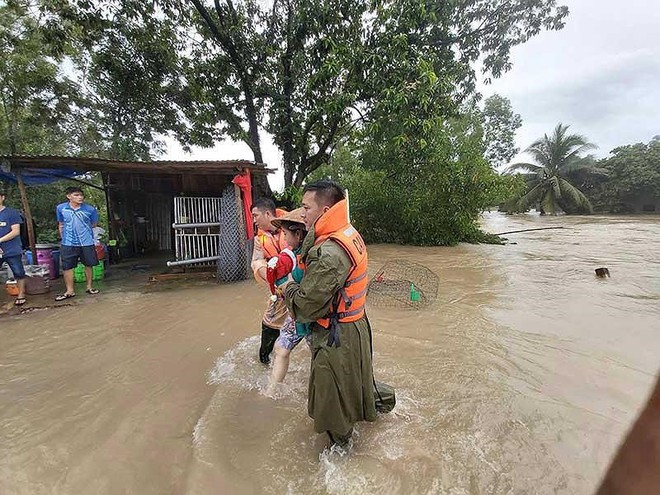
[521, 378]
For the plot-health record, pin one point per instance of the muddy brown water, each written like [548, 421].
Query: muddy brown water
[521, 378]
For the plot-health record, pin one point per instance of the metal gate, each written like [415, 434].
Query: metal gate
[196, 231]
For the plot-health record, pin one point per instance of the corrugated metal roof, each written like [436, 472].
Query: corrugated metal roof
[85, 164]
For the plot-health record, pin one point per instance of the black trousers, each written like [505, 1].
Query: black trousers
[268, 338]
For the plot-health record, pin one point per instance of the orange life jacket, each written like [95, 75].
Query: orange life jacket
[334, 225]
[272, 243]
[300, 262]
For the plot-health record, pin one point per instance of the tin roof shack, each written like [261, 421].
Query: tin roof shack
[142, 196]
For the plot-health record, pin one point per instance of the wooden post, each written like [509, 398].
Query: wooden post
[105, 180]
[243, 240]
[28, 215]
[241, 218]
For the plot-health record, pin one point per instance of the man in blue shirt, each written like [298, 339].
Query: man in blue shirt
[11, 249]
[76, 221]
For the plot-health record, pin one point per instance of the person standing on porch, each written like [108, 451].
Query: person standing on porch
[76, 223]
[11, 249]
[267, 244]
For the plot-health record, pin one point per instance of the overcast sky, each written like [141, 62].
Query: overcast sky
[600, 74]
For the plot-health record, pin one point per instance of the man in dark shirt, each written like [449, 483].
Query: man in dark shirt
[11, 249]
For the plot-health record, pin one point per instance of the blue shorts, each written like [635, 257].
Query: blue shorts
[15, 265]
[72, 254]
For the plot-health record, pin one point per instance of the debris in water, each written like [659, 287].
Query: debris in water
[602, 273]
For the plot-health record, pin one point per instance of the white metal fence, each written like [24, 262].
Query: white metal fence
[196, 229]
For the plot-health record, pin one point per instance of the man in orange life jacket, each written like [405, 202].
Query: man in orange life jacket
[267, 244]
[331, 296]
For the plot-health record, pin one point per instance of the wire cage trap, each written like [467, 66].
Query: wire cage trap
[403, 284]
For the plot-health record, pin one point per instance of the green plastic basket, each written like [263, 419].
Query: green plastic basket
[98, 272]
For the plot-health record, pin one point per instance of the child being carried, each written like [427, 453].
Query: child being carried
[280, 268]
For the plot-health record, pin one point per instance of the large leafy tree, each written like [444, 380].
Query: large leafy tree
[429, 193]
[500, 124]
[83, 84]
[424, 179]
[129, 71]
[557, 158]
[310, 72]
[38, 101]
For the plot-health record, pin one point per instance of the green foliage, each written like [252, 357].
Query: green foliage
[77, 82]
[127, 65]
[290, 198]
[633, 174]
[310, 72]
[558, 158]
[428, 193]
[37, 102]
[423, 177]
[343, 164]
[315, 74]
[500, 124]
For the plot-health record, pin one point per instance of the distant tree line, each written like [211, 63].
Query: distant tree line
[562, 180]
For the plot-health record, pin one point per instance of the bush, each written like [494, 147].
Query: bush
[432, 199]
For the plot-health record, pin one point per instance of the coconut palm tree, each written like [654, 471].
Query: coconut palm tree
[558, 159]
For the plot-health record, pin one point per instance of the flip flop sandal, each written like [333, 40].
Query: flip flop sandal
[62, 297]
[20, 301]
[92, 291]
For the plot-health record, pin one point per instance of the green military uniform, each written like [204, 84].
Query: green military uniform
[341, 379]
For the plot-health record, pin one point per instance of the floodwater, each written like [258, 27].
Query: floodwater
[521, 378]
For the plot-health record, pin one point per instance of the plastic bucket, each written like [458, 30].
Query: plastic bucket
[47, 255]
[11, 287]
[45, 258]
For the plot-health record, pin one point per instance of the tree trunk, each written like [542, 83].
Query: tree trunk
[253, 123]
[223, 34]
[261, 187]
[299, 180]
[28, 215]
[286, 132]
[288, 174]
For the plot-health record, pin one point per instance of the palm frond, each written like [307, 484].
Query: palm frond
[572, 194]
[540, 152]
[559, 149]
[576, 152]
[532, 197]
[554, 182]
[529, 167]
[549, 203]
[531, 179]
[582, 167]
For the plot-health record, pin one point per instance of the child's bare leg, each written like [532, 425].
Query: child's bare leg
[281, 365]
